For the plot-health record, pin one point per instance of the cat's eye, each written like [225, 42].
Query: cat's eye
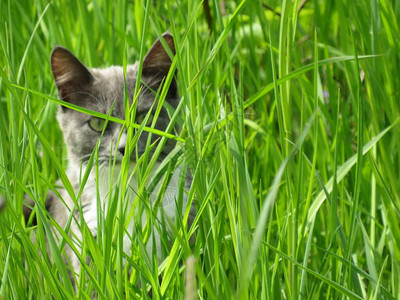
[97, 124]
[140, 119]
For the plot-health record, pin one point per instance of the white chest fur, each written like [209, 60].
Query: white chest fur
[100, 187]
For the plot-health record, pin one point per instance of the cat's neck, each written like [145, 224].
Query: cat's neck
[103, 180]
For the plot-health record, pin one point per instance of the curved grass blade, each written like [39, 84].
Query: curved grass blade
[300, 71]
[249, 260]
[99, 115]
[341, 173]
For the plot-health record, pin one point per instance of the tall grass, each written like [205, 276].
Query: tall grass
[289, 118]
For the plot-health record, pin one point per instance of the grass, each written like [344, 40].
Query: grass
[289, 119]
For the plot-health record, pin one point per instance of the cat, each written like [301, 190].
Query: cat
[102, 90]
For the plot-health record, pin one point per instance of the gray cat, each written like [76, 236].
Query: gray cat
[102, 90]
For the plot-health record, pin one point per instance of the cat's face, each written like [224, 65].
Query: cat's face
[102, 89]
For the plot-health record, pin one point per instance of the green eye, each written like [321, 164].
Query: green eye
[97, 124]
[140, 119]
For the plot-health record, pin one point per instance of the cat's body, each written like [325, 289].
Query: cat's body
[102, 90]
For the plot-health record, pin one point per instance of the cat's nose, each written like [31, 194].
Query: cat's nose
[121, 150]
[122, 144]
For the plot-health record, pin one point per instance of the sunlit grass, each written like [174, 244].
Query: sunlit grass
[289, 124]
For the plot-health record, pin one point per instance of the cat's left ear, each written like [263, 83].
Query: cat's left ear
[157, 60]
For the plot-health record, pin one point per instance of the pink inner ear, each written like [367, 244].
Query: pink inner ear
[158, 56]
[68, 71]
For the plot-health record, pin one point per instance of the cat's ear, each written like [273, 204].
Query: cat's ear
[157, 60]
[69, 73]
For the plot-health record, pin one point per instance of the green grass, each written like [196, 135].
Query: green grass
[289, 124]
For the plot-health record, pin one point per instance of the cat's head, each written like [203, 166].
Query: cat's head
[102, 89]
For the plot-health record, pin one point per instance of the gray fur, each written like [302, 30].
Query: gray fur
[99, 90]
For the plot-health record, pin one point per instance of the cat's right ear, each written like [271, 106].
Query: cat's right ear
[157, 61]
[70, 75]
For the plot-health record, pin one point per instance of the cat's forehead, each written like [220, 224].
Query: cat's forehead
[109, 84]
[112, 78]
